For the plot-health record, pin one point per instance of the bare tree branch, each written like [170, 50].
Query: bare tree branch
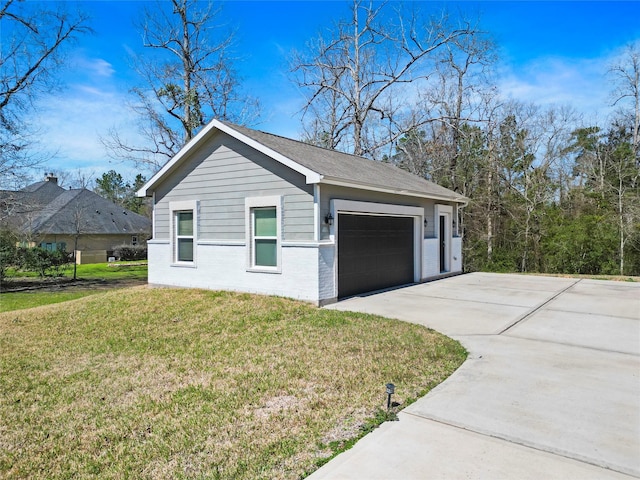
[626, 77]
[361, 79]
[31, 51]
[188, 79]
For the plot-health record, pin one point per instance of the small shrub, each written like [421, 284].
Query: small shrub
[59, 261]
[7, 253]
[43, 262]
[130, 252]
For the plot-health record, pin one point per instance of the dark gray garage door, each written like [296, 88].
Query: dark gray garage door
[374, 252]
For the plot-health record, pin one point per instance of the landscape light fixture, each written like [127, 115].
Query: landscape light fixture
[328, 219]
[391, 388]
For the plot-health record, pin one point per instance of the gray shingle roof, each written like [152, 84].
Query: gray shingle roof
[90, 213]
[43, 192]
[45, 208]
[319, 165]
[338, 166]
[30, 198]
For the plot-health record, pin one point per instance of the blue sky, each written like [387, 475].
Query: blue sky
[551, 53]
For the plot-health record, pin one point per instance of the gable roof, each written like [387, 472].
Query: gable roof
[45, 208]
[318, 165]
[43, 192]
[30, 198]
[85, 212]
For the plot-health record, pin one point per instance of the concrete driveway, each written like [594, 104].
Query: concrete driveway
[551, 388]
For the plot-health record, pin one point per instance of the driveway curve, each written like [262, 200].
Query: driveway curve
[551, 387]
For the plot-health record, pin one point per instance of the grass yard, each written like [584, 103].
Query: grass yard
[167, 383]
[20, 300]
[107, 275]
[111, 271]
[93, 271]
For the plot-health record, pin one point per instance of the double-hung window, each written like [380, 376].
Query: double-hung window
[263, 233]
[265, 237]
[184, 227]
[184, 236]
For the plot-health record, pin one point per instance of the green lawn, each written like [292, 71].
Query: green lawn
[20, 300]
[174, 383]
[108, 271]
[102, 272]
[111, 271]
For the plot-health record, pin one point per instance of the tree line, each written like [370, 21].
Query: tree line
[543, 196]
[547, 193]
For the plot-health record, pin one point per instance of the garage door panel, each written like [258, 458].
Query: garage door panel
[374, 252]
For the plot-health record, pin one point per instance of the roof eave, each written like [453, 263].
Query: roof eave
[310, 175]
[395, 191]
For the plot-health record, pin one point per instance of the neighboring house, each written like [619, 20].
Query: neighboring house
[239, 209]
[46, 215]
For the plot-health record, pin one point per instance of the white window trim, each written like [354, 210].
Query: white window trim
[182, 206]
[262, 202]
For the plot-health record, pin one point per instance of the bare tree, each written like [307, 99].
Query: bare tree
[490, 192]
[625, 164]
[415, 155]
[31, 51]
[458, 93]
[512, 163]
[76, 179]
[188, 78]
[626, 76]
[623, 185]
[364, 77]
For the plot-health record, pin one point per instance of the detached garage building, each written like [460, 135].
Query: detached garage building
[244, 210]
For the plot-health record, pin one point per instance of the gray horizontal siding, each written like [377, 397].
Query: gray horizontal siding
[331, 192]
[298, 217]
[221, 175]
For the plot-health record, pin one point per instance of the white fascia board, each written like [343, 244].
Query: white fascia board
[376, 188]
[310, 175]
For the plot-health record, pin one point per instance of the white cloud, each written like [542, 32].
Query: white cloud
[96, 101]
[72, 121]
[580, 83]
[95, 67]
